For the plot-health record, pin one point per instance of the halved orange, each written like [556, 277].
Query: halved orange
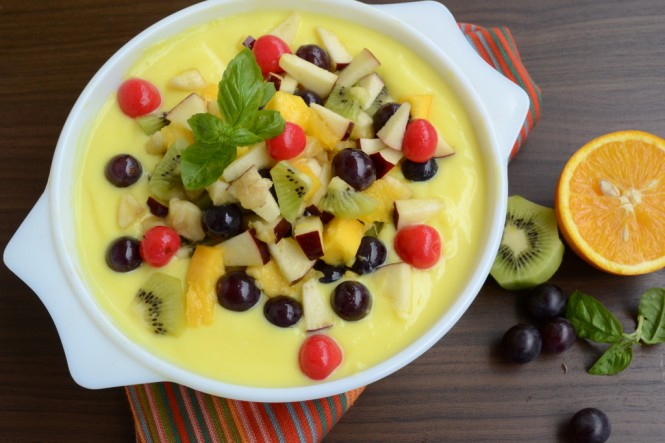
[610, 202]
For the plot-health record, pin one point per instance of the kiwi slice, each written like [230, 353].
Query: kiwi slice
[165, 181]
[342, 200]
[347, 102]
[151, 123]
[291, 185]
[380, 100]
[160, 304]
[531, 250]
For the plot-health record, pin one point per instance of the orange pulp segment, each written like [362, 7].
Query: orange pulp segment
[610, 202]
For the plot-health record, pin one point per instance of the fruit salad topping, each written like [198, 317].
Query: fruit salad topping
[279, 182]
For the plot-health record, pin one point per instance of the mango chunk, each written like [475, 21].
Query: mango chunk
[421, 105]
[205, 268]
[341, 239]
[292, 108]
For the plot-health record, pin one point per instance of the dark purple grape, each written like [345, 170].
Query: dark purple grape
[558, 335]
[419, 172]
[331, 273]
[382, 115]
[309, 97]
[123, 170]
[521, 343]
[354, 167]
[371, 254]
[351, 300]
[237, 291]
[123, 254]
[282, 311]
[156, 208]
[315, 54]
[545, 302]
[590, 425]
[224, 221]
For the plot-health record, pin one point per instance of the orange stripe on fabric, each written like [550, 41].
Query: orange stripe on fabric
[480, 48]
[262, 419]
[175, 410]
[225, 421]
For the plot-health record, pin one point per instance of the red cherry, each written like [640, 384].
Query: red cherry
[267, 50]
[159, 244]
[289, 144]
[137, 97]
[319, 356]
[418, 245]
[420, 141]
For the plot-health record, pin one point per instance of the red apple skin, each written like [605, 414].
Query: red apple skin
[261, 247]
[311, 244]
[275, 80]
[282, 229]
[381, 165]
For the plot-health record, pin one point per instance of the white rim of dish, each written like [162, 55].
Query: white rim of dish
[61, 183]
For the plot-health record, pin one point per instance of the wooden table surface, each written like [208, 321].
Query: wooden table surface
[601, 67]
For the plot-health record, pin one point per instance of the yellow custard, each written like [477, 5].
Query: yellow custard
[244, 348]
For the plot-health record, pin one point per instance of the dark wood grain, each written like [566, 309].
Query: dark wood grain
[601, 67]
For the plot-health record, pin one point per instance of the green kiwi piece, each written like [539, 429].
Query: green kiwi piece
[342, 200]
[347, 102]
[151, 123]
[380, 100]
[291, 186]
[160, 304]
[531, 250]
[165, 181]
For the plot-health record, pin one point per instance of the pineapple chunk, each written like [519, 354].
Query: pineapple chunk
[292, 108]
[319, 129]
[172, 133]
[251, 189]
[270, 279]
[129, 211]
[189, 80]
[341, 239]
[205, 268]
[185, 217]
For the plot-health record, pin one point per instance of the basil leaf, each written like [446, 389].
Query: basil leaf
[243, 137]
[652, 308]
[268, 124]
[241, 91]
[592, 320]
[207, 128]
[614, 360]
[201, 164]
[268, 92]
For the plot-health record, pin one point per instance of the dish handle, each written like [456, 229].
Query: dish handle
[505, 102]
[94, 360]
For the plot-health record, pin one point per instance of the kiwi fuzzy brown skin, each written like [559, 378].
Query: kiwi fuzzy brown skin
[531, 250]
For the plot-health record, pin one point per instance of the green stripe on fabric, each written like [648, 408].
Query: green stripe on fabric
[333, 410]
[164, 411]
[145, 425]
[209, 404]
[193, 401]
[322, 416]
[228, 416]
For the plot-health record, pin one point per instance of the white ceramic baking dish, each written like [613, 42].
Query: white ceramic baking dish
[98, 354]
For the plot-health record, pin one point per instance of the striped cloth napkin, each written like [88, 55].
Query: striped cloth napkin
[168, 412]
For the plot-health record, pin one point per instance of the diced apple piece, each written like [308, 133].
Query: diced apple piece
[191, 105]
[219, 193]
[339, 56]
[288, 29]
[271, 232]
[291, 259]
[245, 249]
[269, 211]
[341, 127]
[308, 74]
[288, 84]
[270, 280]
[364, 63]
[189, 80]
[392, 132]
[373, 84]
[443, 148]
[393, 281]
[385, 160]
[155, 144]
[185, 217]
[251, 189]
[213, 108]
[308, 232]
[257, 156]
[363, 127]
[316, 311]
[129, 211]
[415, 210]
[371, 145]
[205, 268]
[324, 177]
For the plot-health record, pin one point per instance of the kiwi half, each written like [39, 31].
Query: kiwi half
[531, 250]
[347, 101]
[291, 185]
[342, 200]
[160, 304]
[165, 180]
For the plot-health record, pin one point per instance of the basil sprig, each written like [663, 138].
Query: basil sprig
[242, 94]
[592, 321]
